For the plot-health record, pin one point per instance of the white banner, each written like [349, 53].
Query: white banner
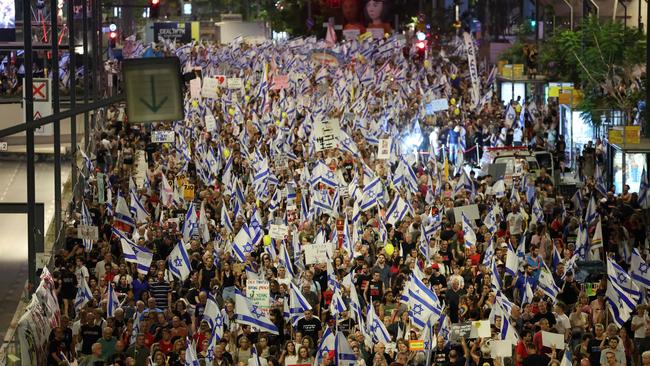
[259, 293]
[473, 69]
[162, 136]
[317, 253]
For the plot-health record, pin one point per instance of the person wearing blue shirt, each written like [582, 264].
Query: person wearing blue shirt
[534, 260]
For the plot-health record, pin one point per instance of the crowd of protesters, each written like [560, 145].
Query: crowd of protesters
[375, 260]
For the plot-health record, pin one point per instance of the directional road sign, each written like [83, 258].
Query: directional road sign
[153, 89]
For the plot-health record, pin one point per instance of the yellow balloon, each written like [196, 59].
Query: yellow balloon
[247, 98]
[267, 240]
[195, 103]
[284, 114]
[517, 108]
[453, 76]
[427, 64]
[277, 122]
[257, 203]
[389, 249]
[226, 153]
[452, 101]
[231, 111]
[456, 111]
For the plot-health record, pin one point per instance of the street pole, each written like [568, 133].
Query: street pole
[647, 66]
[29, 117]
[57, 127]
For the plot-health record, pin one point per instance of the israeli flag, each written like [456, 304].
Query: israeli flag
[134, 253]
[326, 345]
[190, 355]
[191, 223]
[249, 314]
[639, 270]
[83, 295]
[397, 210]
[423, 302]
[225, 218]
[179, 262]
[344, 354]
[298, 304]
[468, 232]
[241, 244]
[113, 303]
[376, 328]
[86, 219]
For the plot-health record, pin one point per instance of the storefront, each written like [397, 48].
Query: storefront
[627, 162]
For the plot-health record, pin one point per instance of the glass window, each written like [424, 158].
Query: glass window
[635, 163]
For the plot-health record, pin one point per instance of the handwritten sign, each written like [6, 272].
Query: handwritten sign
[278, 231]
[326, 134]
[462, 330]
[162, 136]
[210, 122]
[195, 88]
[188, 191]
[88, 232]
[235, 83]
[384, 149]
[317, 253]
[259, 293]
[210, 88]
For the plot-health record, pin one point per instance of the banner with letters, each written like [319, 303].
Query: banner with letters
[473, 69]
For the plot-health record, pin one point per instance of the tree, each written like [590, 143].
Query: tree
[607, 60]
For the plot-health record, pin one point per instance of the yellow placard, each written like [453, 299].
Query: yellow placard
[188, 191]
[615, 136]
[554, 91]
[364, 36]
[632, 134]
[416, 345]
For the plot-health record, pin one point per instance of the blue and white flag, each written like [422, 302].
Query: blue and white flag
[591, 214]
[83, 295]
[285, 260]
[191, 223]
[112, 302]
[423, 302]
[372, 194]
[225, 219]
[337, 305]
[397, 210]
[622, 293]
[87, 220]
[133, 253]
[190, 355]
[137, 209]
[213, 316]
[468, 233]
[179, 262]
[639, 270]
[298, 304]
[241, 244]
[546, 283]
[344, 354]
[122, 213]
[376, 328]
[326, 345]
[250, 314]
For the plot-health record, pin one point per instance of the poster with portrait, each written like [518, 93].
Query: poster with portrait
[359, 16]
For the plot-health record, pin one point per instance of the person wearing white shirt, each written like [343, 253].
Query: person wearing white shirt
[515, 221]
[562, 325]
[641, 329]
[517, 137]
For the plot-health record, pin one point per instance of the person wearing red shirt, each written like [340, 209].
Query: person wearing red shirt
[537, 338]
[166, 345]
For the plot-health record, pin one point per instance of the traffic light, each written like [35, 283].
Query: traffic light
[154, 8]
[421, 49]
[112, 35]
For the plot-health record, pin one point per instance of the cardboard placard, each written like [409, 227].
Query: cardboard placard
[88, 232]
[188, 191]
[259, 293]
[500, 348]
[383, 151]
[460, 330]
[235, 83]
[210, 122]
[278, 231]
[210, 87]
[471, 211]
[553, 340]
[317, 253]
[416, 345]
[195, 88]
[326, 134]
[481, 329]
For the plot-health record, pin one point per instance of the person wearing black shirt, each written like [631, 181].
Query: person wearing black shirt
[375, 288]
[310, 326]
[58, 348]
[544, 314]
[437, 278]
[89, 333]
[533, 358]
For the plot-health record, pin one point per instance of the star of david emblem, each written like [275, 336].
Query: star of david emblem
[621, 277]
[370, 194]
[135, 250]
[248, 248]
[396, 215]
[256, 311]
[330, 174]
[643, 268]
[210, 355]
[347, 141]
[426, 344]
[417, 309]
[218, 322]
[178, 262]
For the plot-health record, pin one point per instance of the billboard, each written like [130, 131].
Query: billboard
[360, 15]
[181, 32]
[7, 20]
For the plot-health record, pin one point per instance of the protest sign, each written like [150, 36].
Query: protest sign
[278, 231]
[259, 293]
[317, 253]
